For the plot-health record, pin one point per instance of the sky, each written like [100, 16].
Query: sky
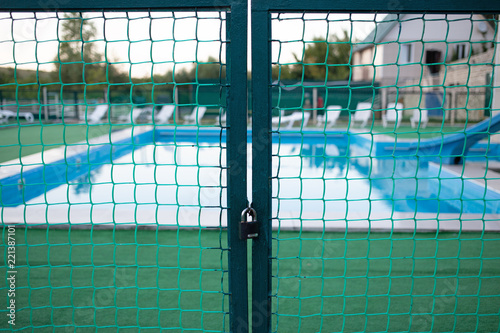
[145, 43]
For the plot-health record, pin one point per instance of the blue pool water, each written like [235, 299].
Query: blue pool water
[318, 174]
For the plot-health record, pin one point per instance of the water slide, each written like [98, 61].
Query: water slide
[452, 147]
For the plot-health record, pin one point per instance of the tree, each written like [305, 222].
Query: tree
[322, 60]
[210, 69]
[78, 61]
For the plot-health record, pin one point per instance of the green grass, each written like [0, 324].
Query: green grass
[102, 280]
[402, 132]
[128, 279]
[407, 132]
[27, 139]
[387, 282]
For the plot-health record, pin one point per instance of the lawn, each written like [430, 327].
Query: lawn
[101, 280]
[404, 131]
[27, 139]
[380, 282]
[129, 279]
[407, 132]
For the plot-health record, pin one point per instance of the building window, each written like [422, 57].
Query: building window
[406, 54]
[460, 51]
[433, 60]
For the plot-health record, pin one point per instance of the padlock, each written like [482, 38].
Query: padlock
[249, 229]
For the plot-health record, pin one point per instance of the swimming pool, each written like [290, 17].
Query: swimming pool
[177, 177]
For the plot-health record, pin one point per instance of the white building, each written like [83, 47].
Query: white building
[412, 54]
[401, 47]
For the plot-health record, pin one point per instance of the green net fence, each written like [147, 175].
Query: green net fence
[112, 171]
[385, 173]
[113, 175]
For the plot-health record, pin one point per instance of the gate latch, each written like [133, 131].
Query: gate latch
[249, 229]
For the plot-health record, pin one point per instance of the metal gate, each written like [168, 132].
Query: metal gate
[368, 198]
[373, 179]
[120, 168]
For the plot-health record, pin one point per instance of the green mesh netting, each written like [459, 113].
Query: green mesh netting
[112, 169]
[385, 173]
[386, 197]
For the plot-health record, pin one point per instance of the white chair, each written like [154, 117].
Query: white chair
[393, 114]
[279, 119]
[135, 113]
[419, 117]
[164, 114]
[290, 120]
[97, 115]
[6, 114]
[300, 117]
[363, 113]
[331, 115]
[195, 116]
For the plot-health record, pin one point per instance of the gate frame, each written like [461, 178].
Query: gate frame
[262, 113]
[236, 159]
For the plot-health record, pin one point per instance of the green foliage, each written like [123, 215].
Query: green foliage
[80, 67]
[322, 60]
[10, 75]
[26, 140]
[78, 61]
[210, 69]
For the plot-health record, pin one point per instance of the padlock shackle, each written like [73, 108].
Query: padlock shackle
[248, 211]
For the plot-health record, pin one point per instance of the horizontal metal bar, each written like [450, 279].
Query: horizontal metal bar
[115, 5]
[369, 6]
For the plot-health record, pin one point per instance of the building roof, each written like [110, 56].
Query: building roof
[381, 30]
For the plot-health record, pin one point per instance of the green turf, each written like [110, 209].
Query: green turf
[104, 279]
[29, 139]
[402, 132]
[128, 279]
[382, 282]
[407, 132]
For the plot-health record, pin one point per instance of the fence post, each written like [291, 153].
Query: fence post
[45, 106]
[261, 168]
[495, 103]
[315, 105]
[77, 107]
[236, 29]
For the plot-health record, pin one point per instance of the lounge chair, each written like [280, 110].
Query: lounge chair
[164, 114]
[419, 117]
[393, 114]
[6, 114]
[195, 116]
[291, 119]
[363, 113]
[3, 118]
[135, 113]
[97, 115]
[331, 115]
[279, 119]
